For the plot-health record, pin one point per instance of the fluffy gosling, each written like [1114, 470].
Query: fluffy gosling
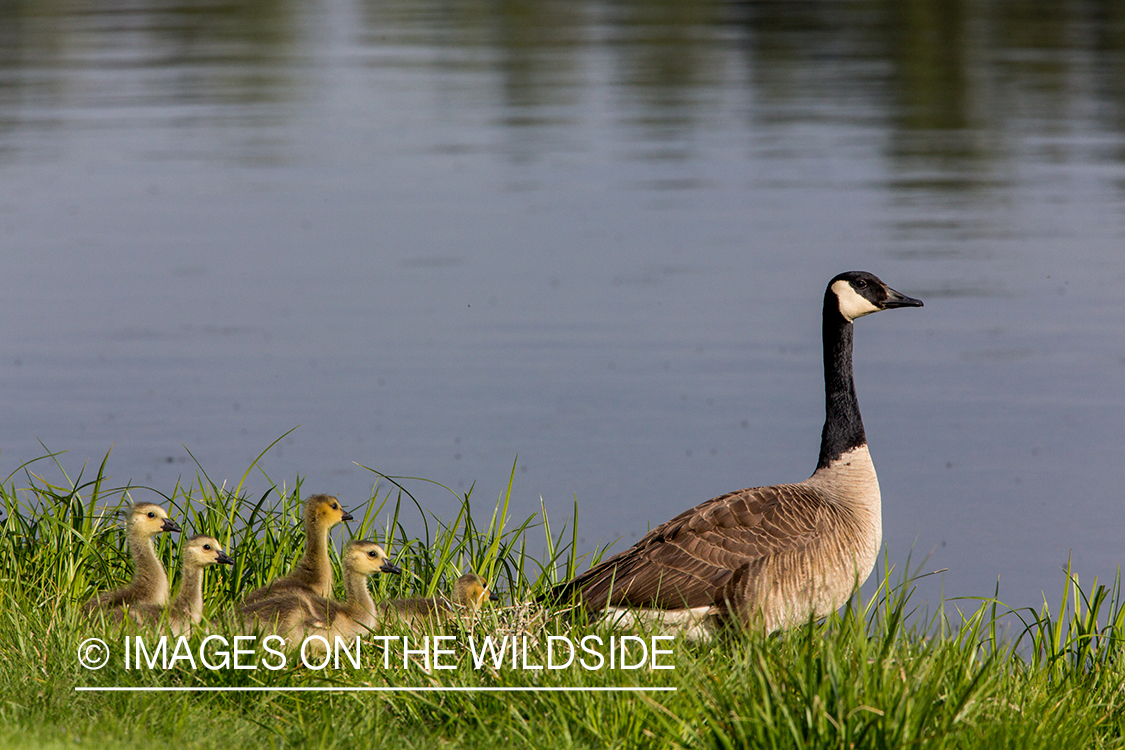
[149, 586]
[186, 609]
[295, 613]
[356, 615]
[313, 574]
[470, 592]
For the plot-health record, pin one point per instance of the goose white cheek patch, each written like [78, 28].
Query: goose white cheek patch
[852, 305]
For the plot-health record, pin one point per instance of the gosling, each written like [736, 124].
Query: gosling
[295, 613]
[470, 592]
[313, 574]
[356, 615]
[186, 610]
[149, 586]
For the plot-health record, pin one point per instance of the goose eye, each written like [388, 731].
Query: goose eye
[151, 514]
[860, 283]
[335, 506]
[207, 547]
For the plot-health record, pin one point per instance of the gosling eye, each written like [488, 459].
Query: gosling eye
[372, 553]
[207, 547]
[151, 514]
[335, 506]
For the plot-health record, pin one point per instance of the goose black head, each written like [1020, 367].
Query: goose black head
[860, 293]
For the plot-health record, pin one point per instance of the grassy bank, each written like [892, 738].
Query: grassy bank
[872, 676]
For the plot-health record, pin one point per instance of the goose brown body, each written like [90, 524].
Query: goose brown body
[768, 556]
[765, 557]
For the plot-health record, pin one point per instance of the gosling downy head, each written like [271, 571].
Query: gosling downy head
[149, 585]
[202, 551]
[471, 591]
[199, 552]
[356, 615]
[313, 572]
[324, 512]
[367, 558]
[147, 520]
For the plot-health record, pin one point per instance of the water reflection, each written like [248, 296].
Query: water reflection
[110, 65]
[952, 80]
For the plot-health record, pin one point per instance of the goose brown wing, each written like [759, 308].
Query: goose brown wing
[688, 560]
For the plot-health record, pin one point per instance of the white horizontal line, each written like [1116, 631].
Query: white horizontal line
[396, 689]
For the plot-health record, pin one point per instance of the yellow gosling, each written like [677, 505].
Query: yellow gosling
[294, 613]
[358, 614]
[313, 574]
[470, 592]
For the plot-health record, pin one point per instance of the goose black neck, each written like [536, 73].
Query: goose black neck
[843, 427]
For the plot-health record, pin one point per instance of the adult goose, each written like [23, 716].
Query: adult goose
[149, 586]
[767, 558]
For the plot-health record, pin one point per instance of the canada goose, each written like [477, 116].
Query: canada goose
[766, 557]
[150, 583]
[295, 612]
[356, 615]
[313, 574]
[469, 593]
[187, 608]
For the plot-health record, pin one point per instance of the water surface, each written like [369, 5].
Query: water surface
[593, 236]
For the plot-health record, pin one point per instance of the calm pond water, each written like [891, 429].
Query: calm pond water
[593, 236]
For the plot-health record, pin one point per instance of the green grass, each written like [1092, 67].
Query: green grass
[876, 675]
